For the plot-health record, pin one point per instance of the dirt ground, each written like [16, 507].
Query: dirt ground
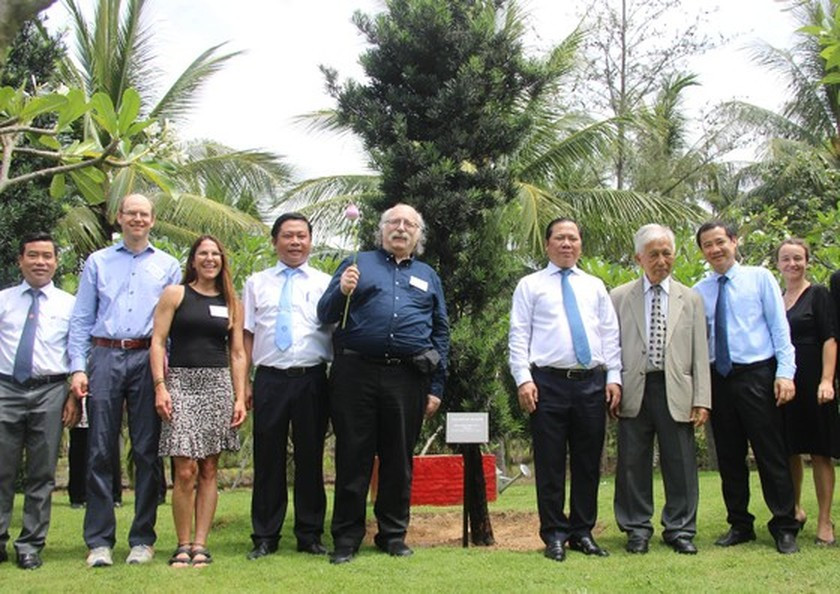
[513, 531]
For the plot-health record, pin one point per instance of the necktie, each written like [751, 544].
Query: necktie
[723, 364]
[283, 328]
[656, 340]
[23, 357]
[579, 340]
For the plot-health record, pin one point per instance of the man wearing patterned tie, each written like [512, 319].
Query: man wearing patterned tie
[290, 349]
[665, 393]
[752, 376]
[566, 361]
[34, 323]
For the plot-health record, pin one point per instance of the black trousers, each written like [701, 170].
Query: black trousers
[744, 411]
[77, 463]
[302, 401]
[376, 410]
[570, 416]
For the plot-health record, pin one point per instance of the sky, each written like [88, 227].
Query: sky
[254, 101]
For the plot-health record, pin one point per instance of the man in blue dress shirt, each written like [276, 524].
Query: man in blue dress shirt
[109, 357]
[389, 369]
[752, 376]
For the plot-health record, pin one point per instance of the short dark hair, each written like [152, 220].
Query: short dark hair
[562, 220]
[288, 216]
[37, 236]
[729, 229]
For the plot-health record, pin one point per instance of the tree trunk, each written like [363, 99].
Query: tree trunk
[480, 526]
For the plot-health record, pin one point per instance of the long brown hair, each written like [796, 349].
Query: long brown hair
[224, 284]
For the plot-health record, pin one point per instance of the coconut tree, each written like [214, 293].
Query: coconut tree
[204, 186]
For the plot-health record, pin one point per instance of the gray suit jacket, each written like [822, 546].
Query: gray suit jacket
[687, 382]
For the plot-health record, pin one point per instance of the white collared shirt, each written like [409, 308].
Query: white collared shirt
[663, 300]
[49, 356]
[311, 340]
[540, 334]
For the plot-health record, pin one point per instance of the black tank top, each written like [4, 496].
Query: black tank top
[199, 332]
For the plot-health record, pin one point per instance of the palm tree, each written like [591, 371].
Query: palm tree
[203, 186]
[800, 169]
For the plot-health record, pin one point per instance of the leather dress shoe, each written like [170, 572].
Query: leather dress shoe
[786, 543]
[313, 548]
[398, 548]
[555, 551]
[587, 546]
[683, 546]
[637, 545]
[342, 555]
[735, 536]
[29, 560]
[261, 550]
[4, 556]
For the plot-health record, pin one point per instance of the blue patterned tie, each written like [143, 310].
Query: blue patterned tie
[283, 327]
[723, 363]
[579, 340]
[23, 357]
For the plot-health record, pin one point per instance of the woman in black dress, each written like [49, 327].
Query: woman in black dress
[810, 419]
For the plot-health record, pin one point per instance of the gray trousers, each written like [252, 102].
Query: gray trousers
[30, 420]
[633, 502]
[121, 376]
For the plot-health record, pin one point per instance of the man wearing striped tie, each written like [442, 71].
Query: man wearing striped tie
[34, 324]
[566, 360]
[290, 349]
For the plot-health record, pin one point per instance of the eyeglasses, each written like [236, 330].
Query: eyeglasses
[404, 222]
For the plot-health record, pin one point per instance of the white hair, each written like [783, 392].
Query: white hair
[652, 232]
[421, 228]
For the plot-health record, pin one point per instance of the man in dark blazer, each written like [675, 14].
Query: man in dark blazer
[665, 374]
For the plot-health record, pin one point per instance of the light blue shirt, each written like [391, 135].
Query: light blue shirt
[755, 317]
[117, 296]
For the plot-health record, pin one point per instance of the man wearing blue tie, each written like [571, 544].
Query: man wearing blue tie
[752, 376]
[290, 349]
[566, 361]
[34, 324]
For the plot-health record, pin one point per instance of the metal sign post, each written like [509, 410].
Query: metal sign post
[467, 428]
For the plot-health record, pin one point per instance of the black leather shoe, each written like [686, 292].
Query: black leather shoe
[555, 551]
[398, 548]
[786, 543]
[313, 548]
[735, 536]
[33, 560]
[342, 555]
[261, 550]
[683, 546]
[587, 546]
[4, 556]
[637, 545]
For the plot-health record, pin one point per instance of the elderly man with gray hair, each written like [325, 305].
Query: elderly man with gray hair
[391, 348]
[665, 374]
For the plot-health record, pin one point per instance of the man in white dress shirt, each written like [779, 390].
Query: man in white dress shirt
[34, 324]
[290, 349]
[566, 360]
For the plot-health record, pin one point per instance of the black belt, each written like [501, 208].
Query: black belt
[35, 382]
[293, 371]
[569, 374]
[742, 367]
[376, 360]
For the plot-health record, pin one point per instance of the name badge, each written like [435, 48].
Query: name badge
[218, 311]
[419, 283]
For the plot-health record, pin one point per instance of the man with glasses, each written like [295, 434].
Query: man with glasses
[110, 331]
[391, 348]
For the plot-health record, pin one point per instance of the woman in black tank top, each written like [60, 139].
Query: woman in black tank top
[201, 396]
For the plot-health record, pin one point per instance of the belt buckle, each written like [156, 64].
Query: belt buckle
[295, 371]
[124, 343]
[574, 374]
[392, 361]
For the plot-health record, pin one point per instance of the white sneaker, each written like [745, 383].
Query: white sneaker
[140, 554]
[99, 557]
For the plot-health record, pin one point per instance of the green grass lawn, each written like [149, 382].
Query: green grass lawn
[753, 567]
